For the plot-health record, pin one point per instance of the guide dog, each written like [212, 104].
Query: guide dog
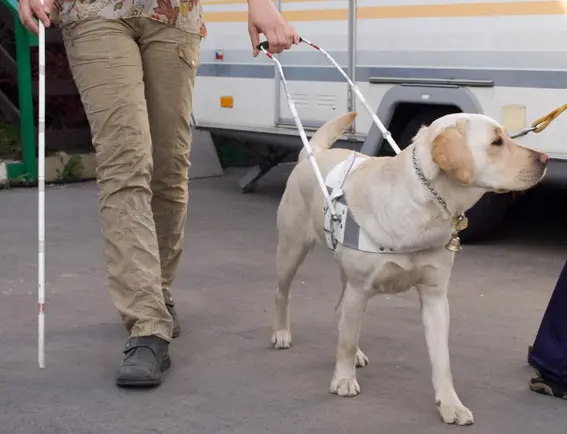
[407, 205]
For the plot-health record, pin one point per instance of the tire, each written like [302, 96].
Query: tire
[485, 216]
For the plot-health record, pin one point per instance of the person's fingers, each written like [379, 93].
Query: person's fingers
[274, 43]
[283, 39]
[289, 36]
[254, 39]
[26, 18]
[48, 5]
[41, 15]
[30, 24]
[295, 35]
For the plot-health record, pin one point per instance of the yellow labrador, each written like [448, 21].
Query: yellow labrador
[405, 205]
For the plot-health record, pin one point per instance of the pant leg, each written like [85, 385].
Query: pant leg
[170, 58]
[107, 68]
[549, 352]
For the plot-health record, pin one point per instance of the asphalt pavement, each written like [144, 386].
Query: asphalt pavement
[226, 378]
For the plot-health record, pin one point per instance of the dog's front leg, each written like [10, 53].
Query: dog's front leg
[435, 317]
[351, 311]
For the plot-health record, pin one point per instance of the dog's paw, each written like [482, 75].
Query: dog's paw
[281, 339]
[361, 359]
[345, 386]
[455, 414]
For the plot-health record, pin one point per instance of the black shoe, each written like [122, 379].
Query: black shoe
[146, 360]
[545, 386]
[170, 304]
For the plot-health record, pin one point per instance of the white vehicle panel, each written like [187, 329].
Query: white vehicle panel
[525, 55]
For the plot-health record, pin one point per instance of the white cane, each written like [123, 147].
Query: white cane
[41, 198]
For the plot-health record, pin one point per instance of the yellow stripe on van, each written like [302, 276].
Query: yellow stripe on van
[465, 10]
[553, 7]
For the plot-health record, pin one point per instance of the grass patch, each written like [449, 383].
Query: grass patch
[10, 144]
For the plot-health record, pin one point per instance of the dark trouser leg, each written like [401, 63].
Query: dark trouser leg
[549, 352]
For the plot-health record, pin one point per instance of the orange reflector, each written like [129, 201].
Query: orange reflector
[226, 101]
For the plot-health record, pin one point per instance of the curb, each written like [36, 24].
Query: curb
[13, 172]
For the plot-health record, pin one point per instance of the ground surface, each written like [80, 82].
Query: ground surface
[226, 378]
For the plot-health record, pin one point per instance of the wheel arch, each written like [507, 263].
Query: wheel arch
[460, 97]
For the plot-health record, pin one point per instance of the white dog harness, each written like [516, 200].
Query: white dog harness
[344, 229]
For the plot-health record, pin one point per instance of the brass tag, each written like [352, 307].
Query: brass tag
[460, 223]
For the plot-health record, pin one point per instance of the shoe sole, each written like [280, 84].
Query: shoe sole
[145, 382]
[544, 389]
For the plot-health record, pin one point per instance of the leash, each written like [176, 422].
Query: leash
[542, 123]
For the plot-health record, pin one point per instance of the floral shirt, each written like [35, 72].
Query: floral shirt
[186, 15]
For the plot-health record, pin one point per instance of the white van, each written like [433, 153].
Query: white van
[414, 60]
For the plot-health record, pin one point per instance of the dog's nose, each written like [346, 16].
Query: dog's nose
[543, 158]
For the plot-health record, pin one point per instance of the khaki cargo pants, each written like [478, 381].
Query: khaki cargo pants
[135, 79]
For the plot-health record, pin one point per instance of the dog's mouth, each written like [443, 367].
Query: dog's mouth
[531, 176]
[525, 179]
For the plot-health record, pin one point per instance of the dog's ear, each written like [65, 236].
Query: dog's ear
[451, 153]
[331, 131]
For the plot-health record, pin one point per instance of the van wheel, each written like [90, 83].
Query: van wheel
[488, 212]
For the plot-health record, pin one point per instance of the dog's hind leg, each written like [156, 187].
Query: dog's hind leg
[351, 312]
[291, 252]
[361, 359]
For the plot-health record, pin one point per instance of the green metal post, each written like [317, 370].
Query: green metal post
[25, 94]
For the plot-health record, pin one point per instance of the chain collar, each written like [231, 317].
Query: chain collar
[459, 221]
[427, 184]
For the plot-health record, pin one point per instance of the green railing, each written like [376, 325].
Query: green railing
[24, 40]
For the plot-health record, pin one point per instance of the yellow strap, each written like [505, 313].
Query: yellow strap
[542, 123]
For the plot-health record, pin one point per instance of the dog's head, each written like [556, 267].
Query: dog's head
[476, 151]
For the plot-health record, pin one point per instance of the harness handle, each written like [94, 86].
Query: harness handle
[265, 46]
[302, 135]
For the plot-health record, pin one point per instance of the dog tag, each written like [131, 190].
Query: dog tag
[461, 222]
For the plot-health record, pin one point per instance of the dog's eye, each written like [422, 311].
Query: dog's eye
[498, 142]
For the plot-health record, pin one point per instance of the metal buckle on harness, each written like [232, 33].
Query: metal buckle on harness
[334, 195]
[330, 220]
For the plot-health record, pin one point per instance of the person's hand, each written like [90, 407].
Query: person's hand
[263, 17]
[27, 9]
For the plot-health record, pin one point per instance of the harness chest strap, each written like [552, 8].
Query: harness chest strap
[343, 229]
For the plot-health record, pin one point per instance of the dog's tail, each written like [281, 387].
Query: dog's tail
[329, 133]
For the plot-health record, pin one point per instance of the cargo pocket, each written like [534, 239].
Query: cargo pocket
[190, 51]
